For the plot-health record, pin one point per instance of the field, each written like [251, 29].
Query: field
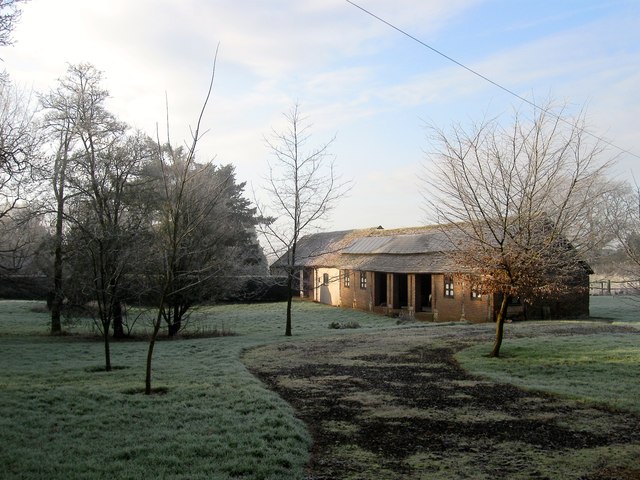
[380, 401]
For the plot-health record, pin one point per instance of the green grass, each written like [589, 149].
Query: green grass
[61, 417]
[19, 318]
[596, 369]
[619, 309]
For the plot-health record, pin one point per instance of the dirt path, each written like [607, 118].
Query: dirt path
[397, 405]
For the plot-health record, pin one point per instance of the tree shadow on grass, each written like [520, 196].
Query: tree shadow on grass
[141, 391]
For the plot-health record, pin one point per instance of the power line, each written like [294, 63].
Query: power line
[485, 78]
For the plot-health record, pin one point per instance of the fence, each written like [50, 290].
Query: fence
[614, 287]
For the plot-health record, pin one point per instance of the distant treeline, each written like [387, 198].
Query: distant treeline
[24, 287]
[251, 289]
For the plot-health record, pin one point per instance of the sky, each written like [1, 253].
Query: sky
[354, 77]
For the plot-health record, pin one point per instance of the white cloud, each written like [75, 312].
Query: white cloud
[389, 196]
[338, 62]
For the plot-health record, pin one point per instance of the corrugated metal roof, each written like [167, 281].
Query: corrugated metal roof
[320, 249]
[368, 245]
[317, 245]
[405, 244]
[407, 263]
[416, 250]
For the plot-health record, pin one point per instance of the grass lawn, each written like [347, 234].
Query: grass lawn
[618, 309]
[61, 417]
[398, 406]
[603, 369]
[593, 369]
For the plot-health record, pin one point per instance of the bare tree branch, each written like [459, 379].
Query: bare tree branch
[302, 187]
[516, 202]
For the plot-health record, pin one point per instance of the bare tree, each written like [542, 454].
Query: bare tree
[302, 188]
[516, 202]
[106, 221]
[19, 147]
[216, 240]
[178, 222]
[93, 168]
[19, 144]
[9, 16]
[59, 125]
[623, 221]
[21, 233]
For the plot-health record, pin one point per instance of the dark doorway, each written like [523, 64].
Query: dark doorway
[381, 289]
[307, 283]
[400, 290]
[423, 292]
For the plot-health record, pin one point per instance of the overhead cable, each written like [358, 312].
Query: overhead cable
[485, 78]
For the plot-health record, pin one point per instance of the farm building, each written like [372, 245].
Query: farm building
[407, 272]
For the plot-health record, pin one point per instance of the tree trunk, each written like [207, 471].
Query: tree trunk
[152, 343]
[147, 381]
[500, 326]
[107, 351]
[105, 319]
[58, 297]
[174, 327]
[287, 331]
[118, 325]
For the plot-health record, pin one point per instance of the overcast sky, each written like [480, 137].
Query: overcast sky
[353, 76]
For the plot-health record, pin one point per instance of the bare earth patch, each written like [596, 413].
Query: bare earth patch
[397, 405]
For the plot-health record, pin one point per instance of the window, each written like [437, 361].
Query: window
[475, 293]
[363, 280]
[325, 279]
[448, 286]
[347, 278]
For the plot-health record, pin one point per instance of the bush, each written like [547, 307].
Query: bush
[208, 332]
[24, 287]
[260, 289]
[339, 325]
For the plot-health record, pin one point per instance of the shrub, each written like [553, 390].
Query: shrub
[339, 325]
[260, 289]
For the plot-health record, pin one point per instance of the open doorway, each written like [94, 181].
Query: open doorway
[400, 290]
[380, 283]
[307, 283]
[423, 292]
